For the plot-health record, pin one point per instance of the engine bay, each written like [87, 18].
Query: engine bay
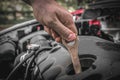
[27, 52]
[99, 57]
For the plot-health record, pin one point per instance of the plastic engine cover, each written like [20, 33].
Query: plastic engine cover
[100, 60]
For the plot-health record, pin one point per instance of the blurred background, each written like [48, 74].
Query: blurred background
[16, 11]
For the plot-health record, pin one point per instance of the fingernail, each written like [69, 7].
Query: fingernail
[71, 37]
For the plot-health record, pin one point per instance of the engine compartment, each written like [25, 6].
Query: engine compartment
[100, 58]
[27, 52]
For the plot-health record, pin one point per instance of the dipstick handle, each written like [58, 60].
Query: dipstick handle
[73, 50]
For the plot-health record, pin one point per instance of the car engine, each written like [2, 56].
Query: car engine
[34, 55]
[27, 52]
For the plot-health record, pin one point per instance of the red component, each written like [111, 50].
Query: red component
[94, 22]
[77, 12]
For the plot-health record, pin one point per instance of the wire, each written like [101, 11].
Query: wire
[20, 64]
[31, 61]
[27, 69]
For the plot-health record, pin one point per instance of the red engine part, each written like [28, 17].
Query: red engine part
[77, 12]
[94, 22]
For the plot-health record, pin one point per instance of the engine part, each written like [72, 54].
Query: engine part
[99, 60]
[7, 55]
[34, 38]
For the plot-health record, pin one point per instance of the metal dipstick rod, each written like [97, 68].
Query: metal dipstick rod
[73, 50]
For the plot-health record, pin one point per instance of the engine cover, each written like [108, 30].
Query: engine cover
[100, 60]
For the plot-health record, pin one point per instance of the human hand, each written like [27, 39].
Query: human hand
[57, 21]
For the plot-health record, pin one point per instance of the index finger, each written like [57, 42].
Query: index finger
[67, 20]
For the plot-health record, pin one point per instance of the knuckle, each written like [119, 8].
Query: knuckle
[52, 23]
[69, 15]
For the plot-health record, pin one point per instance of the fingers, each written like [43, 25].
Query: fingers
[47, 29]
[63, 31]
[59, 29]
[55, 36]
[67, 20]
[57, 21]
[52, 33]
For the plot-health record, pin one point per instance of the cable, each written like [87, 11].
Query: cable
[31, 61]
[27, 69]
[20, 64]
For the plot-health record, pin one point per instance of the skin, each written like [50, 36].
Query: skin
[57, 21]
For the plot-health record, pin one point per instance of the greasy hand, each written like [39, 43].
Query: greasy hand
[57, 21]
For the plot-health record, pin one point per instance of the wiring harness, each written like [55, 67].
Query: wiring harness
[32, 55]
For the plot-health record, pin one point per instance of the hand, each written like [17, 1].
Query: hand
[57, 21]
